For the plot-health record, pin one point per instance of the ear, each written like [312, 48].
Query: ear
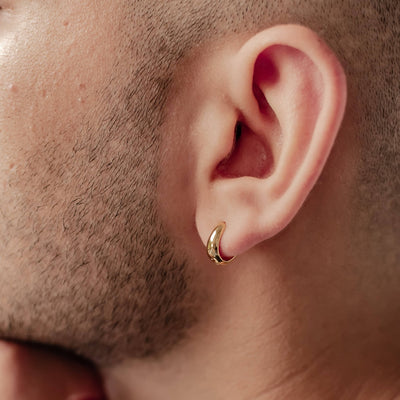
[287, 95]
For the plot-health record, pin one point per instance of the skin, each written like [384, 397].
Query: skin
[110, 188]
[85, 243]
[36, 373]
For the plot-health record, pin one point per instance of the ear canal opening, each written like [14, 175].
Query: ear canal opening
[250, 155]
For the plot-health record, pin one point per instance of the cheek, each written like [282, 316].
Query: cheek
[42, 105]
[50, 77]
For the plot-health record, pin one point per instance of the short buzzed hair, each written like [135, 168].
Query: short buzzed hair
[365, 36]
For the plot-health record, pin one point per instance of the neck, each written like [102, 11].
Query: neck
[284, 338]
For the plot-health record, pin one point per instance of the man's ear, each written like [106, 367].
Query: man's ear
[287, 93]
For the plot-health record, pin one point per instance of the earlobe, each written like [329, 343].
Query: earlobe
[288, 95]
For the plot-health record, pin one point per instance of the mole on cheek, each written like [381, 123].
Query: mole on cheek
[13, 88]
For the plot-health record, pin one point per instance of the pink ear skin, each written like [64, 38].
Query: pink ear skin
[288, 94]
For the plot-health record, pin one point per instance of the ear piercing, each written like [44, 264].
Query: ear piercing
[213, 245]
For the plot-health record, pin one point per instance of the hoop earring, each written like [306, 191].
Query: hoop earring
[213, 245]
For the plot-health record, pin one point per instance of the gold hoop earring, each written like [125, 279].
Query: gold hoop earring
[213, 245]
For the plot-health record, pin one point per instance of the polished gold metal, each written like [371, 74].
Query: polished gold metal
[213, 245]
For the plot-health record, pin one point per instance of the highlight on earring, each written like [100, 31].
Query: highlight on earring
[214, 243]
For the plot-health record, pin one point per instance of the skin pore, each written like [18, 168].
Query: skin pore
[97, 203]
